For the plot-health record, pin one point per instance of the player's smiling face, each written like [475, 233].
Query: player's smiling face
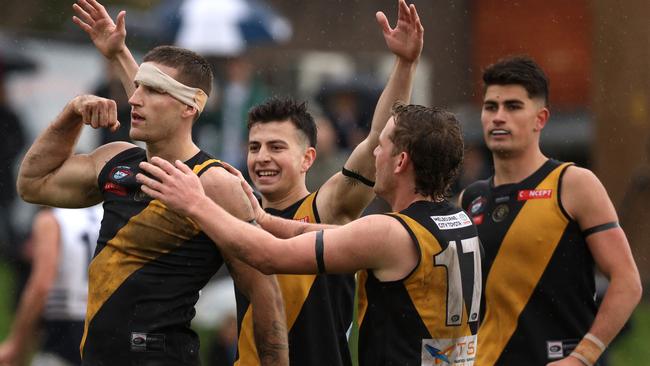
[511, 120]
[277, 160]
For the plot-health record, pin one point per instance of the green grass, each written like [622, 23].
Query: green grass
[7, 291]
[633, 346]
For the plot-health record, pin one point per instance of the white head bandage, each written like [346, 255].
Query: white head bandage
[153, 77]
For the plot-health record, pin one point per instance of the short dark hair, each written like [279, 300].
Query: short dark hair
[193, 69]
[518, 70]
[433, 139]
[276, 109]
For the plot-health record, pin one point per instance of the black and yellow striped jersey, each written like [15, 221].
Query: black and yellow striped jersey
[539, 292]
[318, 309]
[145, 277]
[431, 316]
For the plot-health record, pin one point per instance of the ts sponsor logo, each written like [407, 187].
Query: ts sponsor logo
[457, 352]
[302, 219]
[533, 194]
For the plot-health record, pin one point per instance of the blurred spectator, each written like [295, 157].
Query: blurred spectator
[13, 141]
[350, 105]
[112, 88]
[329, 157]
[241, 90]
[62, 244]
[224, 346]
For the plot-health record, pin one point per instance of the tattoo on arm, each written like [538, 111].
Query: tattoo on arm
[272, 344]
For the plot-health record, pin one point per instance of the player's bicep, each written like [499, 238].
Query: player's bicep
[73, 184]
[586, 200]
[343, 198]
[358, 245]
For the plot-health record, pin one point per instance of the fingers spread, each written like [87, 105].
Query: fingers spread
[150, 192]
[82, 15]
[149, 182]
[183, 167]
[383, 22]
[232, 170]
[121, 24]
[153, 170]
[164, 166]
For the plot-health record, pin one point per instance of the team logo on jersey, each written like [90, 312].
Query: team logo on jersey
[120, 172]
[534, 194]
[500, 212]
[449, 351]
[302, 219]
[455, 221]
[477, 206]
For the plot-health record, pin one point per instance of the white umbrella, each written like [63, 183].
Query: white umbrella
[227, 27]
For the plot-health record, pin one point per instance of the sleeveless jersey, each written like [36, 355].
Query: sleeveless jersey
[145, 277]
[430, 317]
[539, 291]
[318, 309]
[78, 229]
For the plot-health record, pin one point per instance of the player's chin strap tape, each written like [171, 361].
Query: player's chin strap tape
[599, 228]
[319, 252]
[359, 177]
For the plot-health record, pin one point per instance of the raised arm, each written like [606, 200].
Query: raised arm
[109, 39]
[51, 174]
[342, 198]
[377, 242]
[45, 239]
[586, 200]
[263, 292]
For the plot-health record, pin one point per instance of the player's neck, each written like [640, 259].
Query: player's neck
[402, 199]
[515, 168]
[178, 150]
[282, 200]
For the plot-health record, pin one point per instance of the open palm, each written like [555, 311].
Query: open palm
[407, 38]
[93, 19]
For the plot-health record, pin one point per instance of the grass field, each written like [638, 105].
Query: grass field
[633, 347]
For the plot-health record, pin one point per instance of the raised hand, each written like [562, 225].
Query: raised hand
[407, 38]
[96, 112]
[93, 19]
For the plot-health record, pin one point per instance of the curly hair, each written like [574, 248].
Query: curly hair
[518, 70]
[277, 109]
[193, 70]
[433, 139]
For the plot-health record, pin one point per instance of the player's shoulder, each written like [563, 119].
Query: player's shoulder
[578, 179]
[476, 189]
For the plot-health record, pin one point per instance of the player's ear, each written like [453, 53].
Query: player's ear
[540, 120]
[403, 161]
[308, 159]
[190, 112]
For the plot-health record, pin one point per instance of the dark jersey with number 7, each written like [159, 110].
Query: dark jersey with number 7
[431, 316]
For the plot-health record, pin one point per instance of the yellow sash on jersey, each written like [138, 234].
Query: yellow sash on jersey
[521, 260]
[294, 288]
[164, 231]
